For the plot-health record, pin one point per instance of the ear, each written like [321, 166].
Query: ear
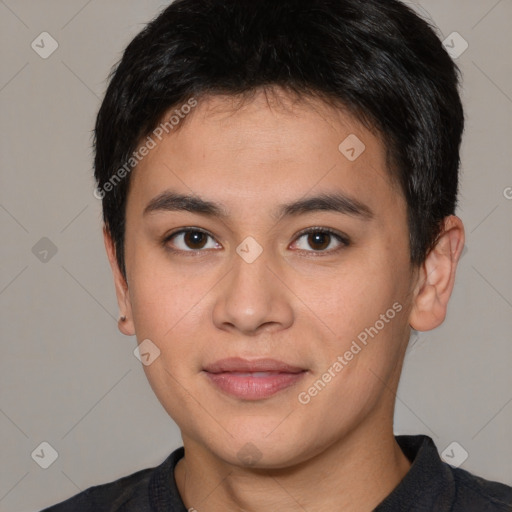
[122, 292]
[437, 277]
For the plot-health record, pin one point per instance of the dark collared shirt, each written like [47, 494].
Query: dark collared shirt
[430, 485]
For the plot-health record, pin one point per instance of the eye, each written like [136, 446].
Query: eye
[321, 240]
[190, 240]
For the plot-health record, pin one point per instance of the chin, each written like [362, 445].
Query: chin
[251, 446]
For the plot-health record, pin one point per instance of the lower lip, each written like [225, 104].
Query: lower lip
[254, 388]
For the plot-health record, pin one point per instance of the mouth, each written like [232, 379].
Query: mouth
[253, 379]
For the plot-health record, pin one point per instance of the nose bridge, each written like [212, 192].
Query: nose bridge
[251, 297]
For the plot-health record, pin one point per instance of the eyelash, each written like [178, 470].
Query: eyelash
[341, 238]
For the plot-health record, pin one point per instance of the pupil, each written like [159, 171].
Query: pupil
[196, 239]
[319, 239]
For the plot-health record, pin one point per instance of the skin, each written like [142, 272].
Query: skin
[300, 302]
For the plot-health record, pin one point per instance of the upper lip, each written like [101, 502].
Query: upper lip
[238, 364]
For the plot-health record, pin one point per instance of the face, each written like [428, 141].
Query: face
[252, 234]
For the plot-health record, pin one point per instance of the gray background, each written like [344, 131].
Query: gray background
[69, 378]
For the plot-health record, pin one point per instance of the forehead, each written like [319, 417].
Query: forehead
[265, 147]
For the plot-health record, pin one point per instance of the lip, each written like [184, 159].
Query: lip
[238, 364]
[253, 379]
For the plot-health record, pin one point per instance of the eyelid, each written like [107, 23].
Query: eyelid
[180, 231]
[319, 229]
[185, 229]
[191, 252]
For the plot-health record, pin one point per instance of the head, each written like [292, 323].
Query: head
[311, 150]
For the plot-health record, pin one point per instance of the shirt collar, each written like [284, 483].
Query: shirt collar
[428, 485]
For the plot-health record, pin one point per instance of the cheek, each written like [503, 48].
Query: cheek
[162, 296]
[343, 301]
[172, 307]
[360, 314]
[356, 372]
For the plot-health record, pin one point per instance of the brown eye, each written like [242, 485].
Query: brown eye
[321, 240]
[195, 239]
[190, 240]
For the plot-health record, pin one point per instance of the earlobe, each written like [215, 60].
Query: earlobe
[437, 277]
[125, 322]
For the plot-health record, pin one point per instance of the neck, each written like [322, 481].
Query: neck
[353, 474]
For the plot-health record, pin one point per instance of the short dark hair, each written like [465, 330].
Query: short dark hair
[376, 58]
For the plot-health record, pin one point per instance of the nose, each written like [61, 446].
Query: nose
[252, 299]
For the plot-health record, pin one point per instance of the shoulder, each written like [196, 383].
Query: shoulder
[127, 494]
[130, 491]
[476, 493]
[432, 484]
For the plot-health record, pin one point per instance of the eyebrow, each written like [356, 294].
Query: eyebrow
[333, 202]
[171, 201]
